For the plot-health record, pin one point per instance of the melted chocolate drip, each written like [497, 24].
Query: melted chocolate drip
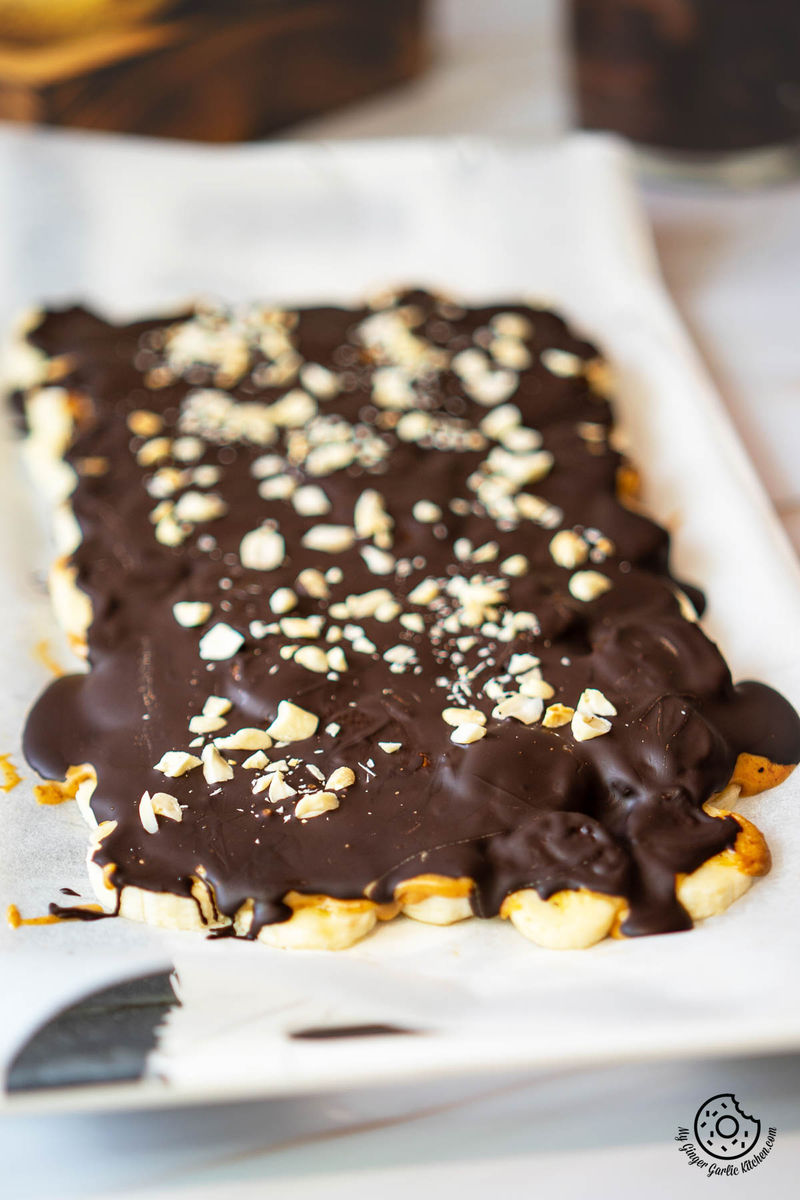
[67, 912]
[526, 806]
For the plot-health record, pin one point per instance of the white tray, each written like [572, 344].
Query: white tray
[132, 225]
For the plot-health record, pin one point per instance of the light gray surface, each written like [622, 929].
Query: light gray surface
[599, 1133]
[731, 262]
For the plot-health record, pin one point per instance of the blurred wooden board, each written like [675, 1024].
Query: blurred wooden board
[222, 72]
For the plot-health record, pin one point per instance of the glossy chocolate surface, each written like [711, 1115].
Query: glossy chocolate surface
[524, 805]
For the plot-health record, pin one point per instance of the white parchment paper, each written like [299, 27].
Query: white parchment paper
[133, 226]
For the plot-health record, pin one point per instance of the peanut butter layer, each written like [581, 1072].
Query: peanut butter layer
[369, 605]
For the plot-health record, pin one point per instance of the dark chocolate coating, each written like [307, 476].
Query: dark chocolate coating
[526, 806]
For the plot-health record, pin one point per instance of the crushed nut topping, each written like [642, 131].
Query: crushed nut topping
[313, 658]
[262, 549]
[278, 788]
[370, 518]
[147, 814]
[330, 539]
[425, 592]
[191, 613]
[220, 642]
[215, 768]
[561, 362]
[526, 709]
[199, 506]
[568, 549]
[153, 451]
[144, 423]
[462, 716]
[248, 738]
[292, 723]
[342, 777]
[557, 715]
[311, 501]
[176, 763]
[594, 702]
[585, 727]
[282, 600]
[588, 585]
[256, 762]
[318, 379]
[203, 724]
[516, 566]
[466, 734]
[314, 804]
[314, 583]
[426, 512]
[166, 805]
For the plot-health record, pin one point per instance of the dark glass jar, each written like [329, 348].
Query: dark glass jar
[705, 84]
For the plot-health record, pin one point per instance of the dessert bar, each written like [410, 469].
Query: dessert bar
[374, 623]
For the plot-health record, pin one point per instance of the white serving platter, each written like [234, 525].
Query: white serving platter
[133, 226]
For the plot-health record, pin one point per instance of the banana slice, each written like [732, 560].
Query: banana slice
[568, 920]
[316, 923]
[754, 774]
[715, 884]
[72, 607]
[435, 899]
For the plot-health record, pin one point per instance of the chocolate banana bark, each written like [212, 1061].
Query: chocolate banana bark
[373, 621]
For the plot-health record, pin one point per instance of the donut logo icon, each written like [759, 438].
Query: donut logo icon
[723, 1130]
